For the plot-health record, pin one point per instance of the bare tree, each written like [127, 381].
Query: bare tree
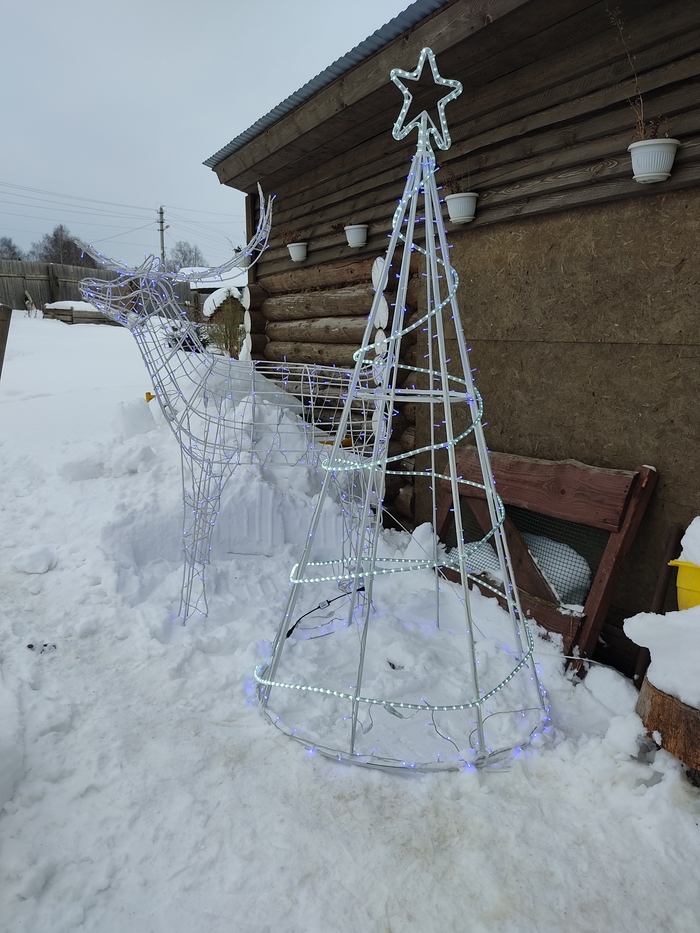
[9, 249]
[185, 254]
[59, 246]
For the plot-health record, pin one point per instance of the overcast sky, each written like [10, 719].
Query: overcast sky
[109, 109]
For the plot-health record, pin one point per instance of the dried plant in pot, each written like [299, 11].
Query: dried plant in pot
[296, 244]
[652, 155]
[461, 205]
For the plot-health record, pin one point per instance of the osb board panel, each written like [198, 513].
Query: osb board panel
[625, 271]
[583, 329]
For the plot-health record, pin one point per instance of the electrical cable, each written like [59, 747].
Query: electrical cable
[324, 604]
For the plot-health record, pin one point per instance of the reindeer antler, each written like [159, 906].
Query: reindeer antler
[153, 266]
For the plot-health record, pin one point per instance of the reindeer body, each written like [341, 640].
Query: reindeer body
[214, 404]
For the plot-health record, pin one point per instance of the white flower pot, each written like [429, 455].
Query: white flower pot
[652, 159]
[297, 251]
[462, 206]
[356, 235]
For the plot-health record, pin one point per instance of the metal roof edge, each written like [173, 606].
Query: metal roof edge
[396, 27]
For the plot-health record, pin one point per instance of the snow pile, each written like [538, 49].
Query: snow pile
[217, 298]
[673, 639]
[143, 790]
[674, 642]
[71, 306]
[690, 543]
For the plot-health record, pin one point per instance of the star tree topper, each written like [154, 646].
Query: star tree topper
[398, 76]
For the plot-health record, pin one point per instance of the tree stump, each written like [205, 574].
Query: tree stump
[677, 723]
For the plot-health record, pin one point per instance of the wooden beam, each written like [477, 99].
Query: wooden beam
[564, 489]
[518, 58]
[331, 275]
[296, 352]
[328, 330]
[608, 574]
[342, 302]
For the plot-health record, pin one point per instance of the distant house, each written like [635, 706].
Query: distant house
[580, 288]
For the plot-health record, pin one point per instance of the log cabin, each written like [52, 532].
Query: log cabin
[579, 286]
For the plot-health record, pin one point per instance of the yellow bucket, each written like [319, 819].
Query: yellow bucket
[687, 584]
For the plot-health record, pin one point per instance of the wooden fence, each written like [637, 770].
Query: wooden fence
[43, 281]
[46, 282]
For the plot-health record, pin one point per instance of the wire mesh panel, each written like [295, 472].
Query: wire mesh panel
[567, 553]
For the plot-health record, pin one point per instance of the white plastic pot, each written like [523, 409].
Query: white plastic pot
[652, 159]
[356, 235]
[297, 251]
[462, 206]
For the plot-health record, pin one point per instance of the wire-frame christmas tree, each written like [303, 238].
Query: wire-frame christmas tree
[379, 660]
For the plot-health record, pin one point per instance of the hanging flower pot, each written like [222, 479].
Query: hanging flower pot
[356, 235]
[652, 159]
[297, 251]
[462, 206]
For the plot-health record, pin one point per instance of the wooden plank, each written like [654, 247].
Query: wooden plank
[319, 330]
[342, 302]
[666, 572]
[677, 723]
[564, 489]
[495, 47]
[608, 574]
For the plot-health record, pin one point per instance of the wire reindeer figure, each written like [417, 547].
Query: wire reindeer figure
[222, 411]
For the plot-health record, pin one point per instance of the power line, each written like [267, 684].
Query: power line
[138, 207]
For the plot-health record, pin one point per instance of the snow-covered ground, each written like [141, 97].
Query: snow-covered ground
[142, 789]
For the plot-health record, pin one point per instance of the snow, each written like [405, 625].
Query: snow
[674, 639]
[690, 543]
[674, 642]
[142, 788]
[71, 306]
[217, 298]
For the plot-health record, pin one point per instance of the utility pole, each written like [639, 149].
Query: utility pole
[161, 229]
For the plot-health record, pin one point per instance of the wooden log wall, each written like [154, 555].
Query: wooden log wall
[542, 126]
[319, 315]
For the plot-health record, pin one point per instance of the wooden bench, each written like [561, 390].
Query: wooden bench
[611, 500]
